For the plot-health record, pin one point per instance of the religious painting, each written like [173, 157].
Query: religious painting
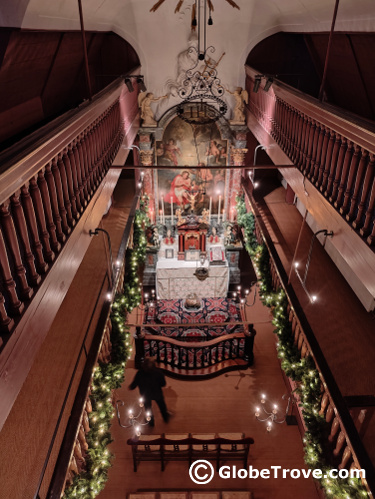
[191, 145]
[195, 191]
[191, 190]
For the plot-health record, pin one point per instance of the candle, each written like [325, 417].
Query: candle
[161, 216]
[172, 211]
[209, 210]
[219, 210]
[162, 209]
[232, 214]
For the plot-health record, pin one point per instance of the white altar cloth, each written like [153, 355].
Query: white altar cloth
[175, 279]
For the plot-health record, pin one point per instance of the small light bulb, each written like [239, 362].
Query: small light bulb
[256, 184]
[269, 427]
[314, 298]
[109, 296]
[296, 264]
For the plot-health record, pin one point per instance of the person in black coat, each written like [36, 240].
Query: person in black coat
[150, 381]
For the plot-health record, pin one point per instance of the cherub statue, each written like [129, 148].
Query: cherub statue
[205, 215]
[241, 97]
[144, 102]
[180, 220]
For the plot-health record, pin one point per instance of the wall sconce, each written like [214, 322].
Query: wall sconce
[140, 82]
[268, 84]
[302, 280]
[96, 233]
[257, 81]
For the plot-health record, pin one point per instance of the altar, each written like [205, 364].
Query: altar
[175, 278]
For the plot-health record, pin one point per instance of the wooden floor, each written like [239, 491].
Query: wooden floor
[343, 328]
[223, 404]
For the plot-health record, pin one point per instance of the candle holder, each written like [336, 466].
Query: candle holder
[274, 415]
[241, 295]
[134, 419]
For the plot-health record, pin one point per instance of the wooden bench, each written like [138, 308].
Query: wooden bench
[189, 447]
[229, 494]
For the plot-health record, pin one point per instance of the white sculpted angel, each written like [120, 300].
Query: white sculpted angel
[144, 102]
[241, 97]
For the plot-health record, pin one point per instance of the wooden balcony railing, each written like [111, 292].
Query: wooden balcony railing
[43, 194]
[344, 441]
[198, 357]
[72, 457]
[335, 151]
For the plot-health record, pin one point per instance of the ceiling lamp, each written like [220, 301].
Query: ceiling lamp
[155, 7]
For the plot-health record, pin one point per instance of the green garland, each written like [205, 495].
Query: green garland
[110, 376]
[301, 370]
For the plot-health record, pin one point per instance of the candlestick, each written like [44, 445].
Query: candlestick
[172, 211]
[209, 210]
[162, 209]
[219, 210]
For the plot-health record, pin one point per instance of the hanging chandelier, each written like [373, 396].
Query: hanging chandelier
[201, 90]
[155, 7]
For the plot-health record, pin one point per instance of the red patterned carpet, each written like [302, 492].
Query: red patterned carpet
[177, 318]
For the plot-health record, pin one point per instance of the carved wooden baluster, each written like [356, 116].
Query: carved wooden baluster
[41, 219]
[73, 465]
[339, 444]
[315, 164]
[345, 170]
[358, 185]
[339, 167]
[300, 342]
[304, 350]
[60, 221]
[330, 413]
[309, 147]
[310, 168]
[69, 178]
[53, 230]
[302, 164]
[328, 160]
[78, 451]
[371, 237]
[100, 154]
[77, 179]
[368, 182]
[293, 134]
[85, 422]
[334, 161]
[8, 282]
[324, 403]
[334, 429]
[85, 157]
[323, 156]
[370, 212]
[352, 173]
[37, 245]
[59, 196]
[91, 164]
[282, 124]
[345, 458]
[82, 438]
[6, 322]
[20, 223]
[94, 157]
[12, 242]
[65, 192]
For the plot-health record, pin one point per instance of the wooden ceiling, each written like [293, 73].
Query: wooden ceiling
[42, 75]
[298, 59]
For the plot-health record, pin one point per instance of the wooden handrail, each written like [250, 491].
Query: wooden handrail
[195, 344]
[62, 464]
[327, 378]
